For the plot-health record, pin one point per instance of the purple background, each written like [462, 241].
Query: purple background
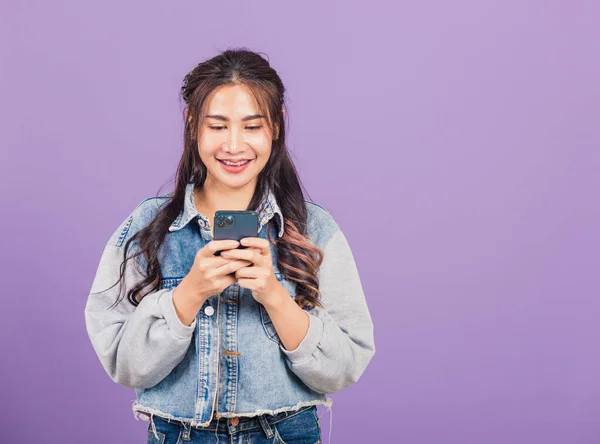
[467, 131]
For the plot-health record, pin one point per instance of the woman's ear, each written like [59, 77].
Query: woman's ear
[187, 115]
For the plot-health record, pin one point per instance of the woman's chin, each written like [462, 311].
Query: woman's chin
[236, 182]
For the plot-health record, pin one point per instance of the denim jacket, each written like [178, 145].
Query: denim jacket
[229, 362]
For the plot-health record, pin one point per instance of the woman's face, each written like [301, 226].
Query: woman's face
[234, 140]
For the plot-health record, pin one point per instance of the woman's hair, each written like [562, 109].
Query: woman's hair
[297, 257]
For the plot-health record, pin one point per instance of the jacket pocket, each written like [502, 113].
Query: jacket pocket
[267, 323]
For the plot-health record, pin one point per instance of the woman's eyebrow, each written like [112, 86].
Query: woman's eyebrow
[226, 119]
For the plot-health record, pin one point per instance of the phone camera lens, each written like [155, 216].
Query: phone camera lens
[220, 224]
[229, 220]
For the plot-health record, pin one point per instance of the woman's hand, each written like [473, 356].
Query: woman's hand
[212, 274]
[259, 278]
[209, 275]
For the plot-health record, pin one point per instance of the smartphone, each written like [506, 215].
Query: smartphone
[235, 225]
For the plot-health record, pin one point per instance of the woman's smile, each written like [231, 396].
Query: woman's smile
[234, 167]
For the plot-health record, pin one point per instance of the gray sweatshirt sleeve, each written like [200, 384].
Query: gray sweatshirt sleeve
[339, 343]
[137, 346]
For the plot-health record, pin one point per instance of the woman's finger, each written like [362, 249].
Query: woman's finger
[257, 242]
[247, 254]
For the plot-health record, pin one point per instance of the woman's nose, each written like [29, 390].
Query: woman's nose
[235, 142]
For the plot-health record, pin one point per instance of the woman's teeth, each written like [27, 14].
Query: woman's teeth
[244, 162]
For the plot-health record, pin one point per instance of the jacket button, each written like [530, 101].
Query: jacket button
[235, 421]
[209, 311]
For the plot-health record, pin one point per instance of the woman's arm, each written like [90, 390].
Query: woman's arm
[337, 342]
[290, 321]
[137, 346]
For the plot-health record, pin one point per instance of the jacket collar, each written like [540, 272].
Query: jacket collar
[266, 211]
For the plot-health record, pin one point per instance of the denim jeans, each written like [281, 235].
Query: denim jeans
[298, 427]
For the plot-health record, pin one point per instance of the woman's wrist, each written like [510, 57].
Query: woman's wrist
[187, 303]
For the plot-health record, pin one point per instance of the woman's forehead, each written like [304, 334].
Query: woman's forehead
[234, 100]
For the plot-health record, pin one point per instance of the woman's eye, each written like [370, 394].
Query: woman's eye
[251, 128]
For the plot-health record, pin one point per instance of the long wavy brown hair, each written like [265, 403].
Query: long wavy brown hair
[297, 256]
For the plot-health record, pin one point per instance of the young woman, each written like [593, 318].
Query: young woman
[243, 345]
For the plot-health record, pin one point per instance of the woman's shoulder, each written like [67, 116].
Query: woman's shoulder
[140, 217]
[320, 223]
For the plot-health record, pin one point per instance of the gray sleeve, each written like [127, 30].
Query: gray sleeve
[137, 346]
[339, 343]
